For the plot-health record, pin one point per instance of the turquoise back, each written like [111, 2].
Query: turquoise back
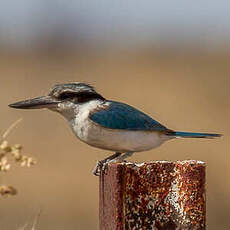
[122, 116]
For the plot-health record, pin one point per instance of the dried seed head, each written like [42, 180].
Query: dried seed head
[5, 146]
[14, 151]
[4, 165]
[18, 147]
[27, 161]
[6, 191]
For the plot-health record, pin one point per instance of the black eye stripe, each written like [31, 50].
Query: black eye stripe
[67, 95]
[80, 97]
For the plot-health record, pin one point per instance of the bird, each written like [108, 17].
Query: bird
[105, 124]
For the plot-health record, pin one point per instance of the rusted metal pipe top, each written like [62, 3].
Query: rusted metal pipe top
[158, 195]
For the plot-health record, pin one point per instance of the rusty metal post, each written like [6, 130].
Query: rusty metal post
[158, 195]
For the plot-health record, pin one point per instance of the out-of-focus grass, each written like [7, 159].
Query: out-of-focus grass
[33, 225]
[14, 152]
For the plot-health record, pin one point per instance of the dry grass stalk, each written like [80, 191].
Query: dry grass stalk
[14, 152]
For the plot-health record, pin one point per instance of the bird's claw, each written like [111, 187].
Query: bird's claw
[100, 167]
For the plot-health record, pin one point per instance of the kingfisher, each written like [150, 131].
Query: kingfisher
[105, 124]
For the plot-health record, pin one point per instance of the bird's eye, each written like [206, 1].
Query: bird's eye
[67, 95]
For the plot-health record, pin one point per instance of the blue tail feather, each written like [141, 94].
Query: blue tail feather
[195, 135]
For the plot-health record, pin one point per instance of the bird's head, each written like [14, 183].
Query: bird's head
[61, 98]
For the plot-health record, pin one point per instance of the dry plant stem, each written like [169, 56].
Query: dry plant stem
[24, 227]
[7, 132]
[36, 220]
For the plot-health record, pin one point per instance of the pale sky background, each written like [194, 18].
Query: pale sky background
[124, 21]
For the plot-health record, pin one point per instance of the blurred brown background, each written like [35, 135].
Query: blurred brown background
[171, 61]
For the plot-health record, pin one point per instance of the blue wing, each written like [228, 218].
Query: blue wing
[122, 116]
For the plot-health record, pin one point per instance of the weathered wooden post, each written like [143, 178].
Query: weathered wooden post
[158, 195]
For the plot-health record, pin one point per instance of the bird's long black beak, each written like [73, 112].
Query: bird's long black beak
[36, 103]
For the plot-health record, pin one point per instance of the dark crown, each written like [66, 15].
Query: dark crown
[82, 91]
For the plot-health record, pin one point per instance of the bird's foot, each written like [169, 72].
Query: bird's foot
[100, 167]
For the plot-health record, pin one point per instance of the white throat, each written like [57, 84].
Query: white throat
[75, 113]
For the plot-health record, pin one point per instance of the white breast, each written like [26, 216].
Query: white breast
[112, 139]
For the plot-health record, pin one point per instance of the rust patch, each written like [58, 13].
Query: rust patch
[158, 195]
[110, 201]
